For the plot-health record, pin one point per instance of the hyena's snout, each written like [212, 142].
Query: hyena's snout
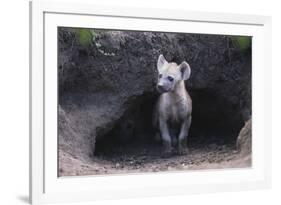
[161, 88]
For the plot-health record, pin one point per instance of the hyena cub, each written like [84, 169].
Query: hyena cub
[172, 114]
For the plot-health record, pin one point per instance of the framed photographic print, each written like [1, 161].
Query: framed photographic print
[129, 102]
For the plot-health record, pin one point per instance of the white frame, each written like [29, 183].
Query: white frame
[44, 18]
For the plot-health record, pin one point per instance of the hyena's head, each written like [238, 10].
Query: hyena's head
[170, 74]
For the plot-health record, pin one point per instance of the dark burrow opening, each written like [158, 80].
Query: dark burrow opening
[215, 123]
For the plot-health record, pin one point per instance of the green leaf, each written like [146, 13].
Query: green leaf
[241, 42]
[85, 37]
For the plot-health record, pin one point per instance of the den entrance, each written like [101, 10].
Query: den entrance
[131, 143]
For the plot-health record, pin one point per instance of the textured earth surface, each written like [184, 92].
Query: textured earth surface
[107, 93]
[146, 158]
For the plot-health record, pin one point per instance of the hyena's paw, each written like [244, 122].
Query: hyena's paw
[182, 147]
[167, 150]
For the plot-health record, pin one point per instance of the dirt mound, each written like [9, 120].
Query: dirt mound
[244, 140]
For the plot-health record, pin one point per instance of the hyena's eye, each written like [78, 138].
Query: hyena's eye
[160, 75]
[170, 78]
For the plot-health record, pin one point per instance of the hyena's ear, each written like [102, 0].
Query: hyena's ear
[161, 61]
[185, 70]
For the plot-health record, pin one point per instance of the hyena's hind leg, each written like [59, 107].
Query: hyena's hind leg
[174, 136]
[182, 142]
[157, 137]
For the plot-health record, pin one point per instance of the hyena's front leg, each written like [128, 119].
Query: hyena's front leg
[166, 139]
[182, 142]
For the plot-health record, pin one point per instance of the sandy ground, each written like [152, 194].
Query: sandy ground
[139, 158]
